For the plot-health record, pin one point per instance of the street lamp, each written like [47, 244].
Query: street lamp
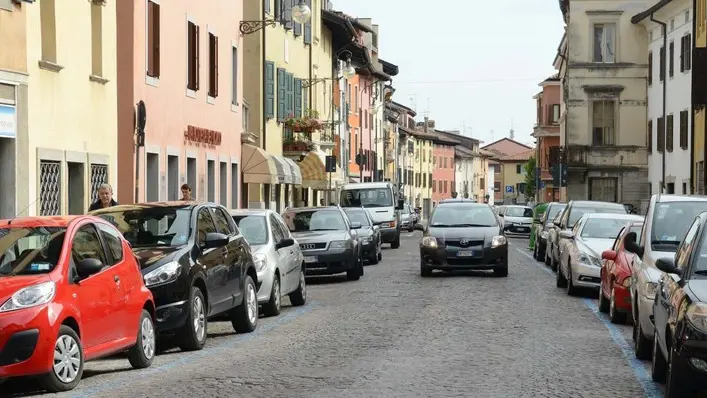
[301, 13]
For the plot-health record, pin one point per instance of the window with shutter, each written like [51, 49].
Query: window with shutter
[297, 31]
[290, 94]
[650, 136]
[683, 129]
[308, 25]
[213, 65]
[669, 134]
[266, 5]
[682, 54]
[281, 94]
[234, 75]
[298, 97]
[153, 39]
[688, 52]
[661, 134]
[269, 89]
[193, 56]
[650, 68]
[661, 67]
[287, 14]
[671, 59]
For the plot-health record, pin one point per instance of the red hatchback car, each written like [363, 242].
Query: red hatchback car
[71, 290]
[614, 294]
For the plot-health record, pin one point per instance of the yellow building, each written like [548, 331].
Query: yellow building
[480, 165]
[72, 146]
[700, 118]
[513, 169]
[13, 107]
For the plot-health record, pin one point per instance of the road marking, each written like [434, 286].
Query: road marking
[186, 357]
[639, 370]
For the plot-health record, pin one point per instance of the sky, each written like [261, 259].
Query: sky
[470, 65]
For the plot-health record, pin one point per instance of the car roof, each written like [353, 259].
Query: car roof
[663, 198]
[39, 221]
[366, 185]
[151, 205]
[628, 217]
[593, 202]
[468, 203]
[250, 212]
[312, 208]
[458, 200]
[521, 206]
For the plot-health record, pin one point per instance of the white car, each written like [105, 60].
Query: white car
[277, 257]
[581, 248]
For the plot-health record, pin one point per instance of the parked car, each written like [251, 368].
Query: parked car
[570, 215]
[617, 262]
[463, 236]
[517, 219]
[543, 226]
[408, 218]
[70, 291]
[196, 263]
[384, 203]
[369, 234]
[328, 239]
[581, 249]
[667, 219]
[277, 257]
[552, 235]
[680, 314]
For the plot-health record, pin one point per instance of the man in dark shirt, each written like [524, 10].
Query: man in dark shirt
[105, 198]
[186, 193]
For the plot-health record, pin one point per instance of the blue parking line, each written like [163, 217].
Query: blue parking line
[644, 379]
[185, 358]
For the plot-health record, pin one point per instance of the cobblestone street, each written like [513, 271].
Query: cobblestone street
[396, 334]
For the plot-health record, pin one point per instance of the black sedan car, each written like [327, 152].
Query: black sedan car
[196, 263]
[369, 234]
[328, 239]
[680, 316]
[463, 236]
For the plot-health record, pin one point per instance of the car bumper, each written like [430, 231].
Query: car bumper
[584, 275]
[265, 280]
[691, 361]
[389, 235]
[406, 224]
[329, 262]
[171, 304]
[445, 258]
[27, 340]
[517, 229]
[645, 315]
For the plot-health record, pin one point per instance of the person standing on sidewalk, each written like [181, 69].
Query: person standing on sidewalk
[186, 193]
[105, 198]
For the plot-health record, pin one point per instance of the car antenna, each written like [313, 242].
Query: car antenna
[22, 211]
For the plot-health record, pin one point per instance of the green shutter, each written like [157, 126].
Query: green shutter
[308, 25]
[269, 89]
[290, 94]
[305, 97]
[266, 3]
[281, 94]
[298, 97]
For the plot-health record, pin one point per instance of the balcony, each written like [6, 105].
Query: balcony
[606, 157]
[390, 155]
[295, 145]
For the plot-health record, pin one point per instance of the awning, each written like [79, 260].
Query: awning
[314, 173]
[259, 167]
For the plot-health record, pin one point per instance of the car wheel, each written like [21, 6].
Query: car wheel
[360, 262]
[373, 260]
[67, 367]
[142, 353]
[560, 280]
[571, 289]
[641, 345]
[614, 315]
[272, 307]
[501, 270]
[380, 256]
[659, 365]
[396, 243]
[541, 251]
[192, 336]
[299, 296]
[425, 271]
[535, 251]
[547, 257]
[244, 318]
[603, 301]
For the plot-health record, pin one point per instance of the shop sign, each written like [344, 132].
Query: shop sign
[202, 135]
[8, 123]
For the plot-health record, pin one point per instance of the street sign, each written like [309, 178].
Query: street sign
[542, 184]
[559, 175]
[330, 166]
[509, 188]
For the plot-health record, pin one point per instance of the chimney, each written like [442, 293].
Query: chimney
[426, 123]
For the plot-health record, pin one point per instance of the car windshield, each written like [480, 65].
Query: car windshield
[253, 228]
[358, 216]
[578, 211]
[152, 226]
[671, 221]
[314, 220]
[367, 197]
[29, 251]
[519, 212]
[463, 216]
[602, 228]
[553, 211]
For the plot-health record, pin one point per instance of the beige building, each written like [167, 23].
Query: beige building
[514, 172]
[603, 69]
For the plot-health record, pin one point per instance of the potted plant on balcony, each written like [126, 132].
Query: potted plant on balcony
[296, 145]
[307, 123]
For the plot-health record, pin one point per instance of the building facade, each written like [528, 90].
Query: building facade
[464, 173]
[71, 148]
[605, 137]
[669, 65]
[14, 112]
[699, 96]
[547, 134]
[443, 168]
[514, 177]
[496, 152]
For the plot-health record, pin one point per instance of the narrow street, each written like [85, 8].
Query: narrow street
[395, 334]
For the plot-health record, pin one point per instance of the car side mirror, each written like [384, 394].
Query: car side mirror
[418, 227]
[556, 223]
[631, 246]
[355, 225]
[287, 242]
[608, 255]
[500, 215]
[566, 235]
[401, 204]
[667, 265]
[215, 239]
[88, 267]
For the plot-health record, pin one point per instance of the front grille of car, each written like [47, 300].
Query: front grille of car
[312, 246]
[467, 243]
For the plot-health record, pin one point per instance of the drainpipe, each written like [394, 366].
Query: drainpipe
[265, 84]
[665, 96]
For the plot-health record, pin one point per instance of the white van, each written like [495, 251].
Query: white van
[382, 201]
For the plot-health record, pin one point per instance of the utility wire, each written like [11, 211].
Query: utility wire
[471, 81]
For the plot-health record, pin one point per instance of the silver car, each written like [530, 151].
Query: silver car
[277, 257]
[581, 248]
[408, 218]
[517, 219]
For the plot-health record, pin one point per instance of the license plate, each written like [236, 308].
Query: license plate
[310, 259]
[465, 254]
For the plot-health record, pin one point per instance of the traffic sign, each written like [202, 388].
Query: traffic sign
[509, 188]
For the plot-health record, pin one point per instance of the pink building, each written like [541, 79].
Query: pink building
[443, 171]
[183, 61]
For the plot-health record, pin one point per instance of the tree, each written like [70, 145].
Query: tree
[530, 177]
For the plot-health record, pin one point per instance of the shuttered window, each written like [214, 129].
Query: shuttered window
[298, 97]
[153, 39]
[287, 14]
[661, 134]
[683, 129]
[650, 136]
[650, 68]
[213, 65]
[661, 67]
[281, 93]
[269, 89]
[234, 75]
[192, 56]
[308, 25]
[669, 134]
[671, 59]
[289, 94]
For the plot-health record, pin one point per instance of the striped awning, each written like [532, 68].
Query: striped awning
[295, 172]
[314, 173]
[259, 167]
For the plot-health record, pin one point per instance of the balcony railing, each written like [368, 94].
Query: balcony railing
[606, 156]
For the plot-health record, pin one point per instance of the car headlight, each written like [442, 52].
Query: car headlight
[389, 224]
[30, 296]
[366, 239]
[429, 241]
[697, 315]
[260, 261]
[651, 290]
[586, 259]
[164, 274]
[341, 244]
[499, 240]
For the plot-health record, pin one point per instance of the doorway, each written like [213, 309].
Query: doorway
[234, 186]
[76, 187]
[211, 180]
[172, 177]
[152, 177]
[7, 176]
[223, 184]
[191, 176]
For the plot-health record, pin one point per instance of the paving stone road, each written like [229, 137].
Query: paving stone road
[395, 334]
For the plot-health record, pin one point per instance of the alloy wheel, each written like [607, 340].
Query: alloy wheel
[147, 332]
[67, 358]
[276, 292]
[302, 285]
[612, 303]
[199, 318]
[251, 303]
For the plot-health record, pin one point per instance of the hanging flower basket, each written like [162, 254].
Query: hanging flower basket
[307, 123]
[297, 146]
